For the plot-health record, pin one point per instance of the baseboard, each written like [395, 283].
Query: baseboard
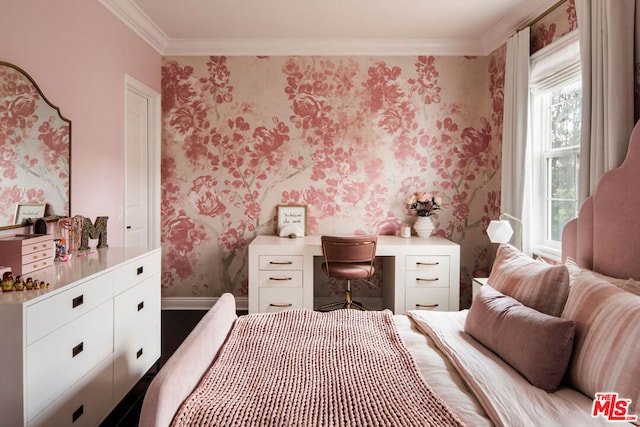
[242, 303]
[371, 303]
[196, 303]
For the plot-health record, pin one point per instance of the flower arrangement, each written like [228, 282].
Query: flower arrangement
[423, 203]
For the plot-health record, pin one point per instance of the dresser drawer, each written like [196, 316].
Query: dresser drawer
[134, 272]
[280, 262]
[51, 313]
[277, 299]
[427, 279]
[284, 278]
[427, 299]
[84, 404]
[136, 333]
[57, 361]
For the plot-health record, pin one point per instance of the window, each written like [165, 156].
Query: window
[555, 119]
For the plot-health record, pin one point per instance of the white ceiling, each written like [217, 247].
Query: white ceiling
[327, 27]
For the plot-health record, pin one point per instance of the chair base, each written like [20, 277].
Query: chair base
[348, 303]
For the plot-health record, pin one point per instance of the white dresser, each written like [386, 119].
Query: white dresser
[69, 353]
[418, 273]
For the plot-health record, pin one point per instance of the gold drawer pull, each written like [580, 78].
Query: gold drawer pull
[281, 278]
[280, 305]
[280, 262]
[428, 263]
[77, 350]
[432, 279]
[77, 414]
[426, 305]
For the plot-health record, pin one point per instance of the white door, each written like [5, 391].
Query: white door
[142, 166]
[136, 171]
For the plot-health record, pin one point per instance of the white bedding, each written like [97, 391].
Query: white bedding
[441, 375]
[506, 397]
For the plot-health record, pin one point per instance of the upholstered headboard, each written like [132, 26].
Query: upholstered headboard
[606, 235]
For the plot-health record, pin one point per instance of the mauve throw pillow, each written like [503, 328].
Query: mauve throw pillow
[535, 344]
[536, 284]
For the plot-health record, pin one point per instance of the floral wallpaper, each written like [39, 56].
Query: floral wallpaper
[349, 137]
[556, 24]
[34, 148]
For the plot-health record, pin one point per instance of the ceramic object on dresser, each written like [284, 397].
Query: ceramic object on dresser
[424, 226]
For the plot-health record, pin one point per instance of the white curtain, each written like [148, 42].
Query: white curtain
[606, 30]
[514, 133]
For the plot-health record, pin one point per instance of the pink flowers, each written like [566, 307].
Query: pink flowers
[423, 203]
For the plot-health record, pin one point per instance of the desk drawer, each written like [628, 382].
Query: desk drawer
[277, 279]
[280, 262]
[50, 314]
[427, 299]
[427, 262]
[427, 279]
[277, 299]
[60, 359]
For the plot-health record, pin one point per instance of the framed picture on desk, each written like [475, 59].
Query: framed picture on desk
[292, 220]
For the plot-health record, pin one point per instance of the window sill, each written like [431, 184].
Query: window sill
[548, 252]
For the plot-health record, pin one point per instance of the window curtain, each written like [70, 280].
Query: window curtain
[514, 134]
[606, 30]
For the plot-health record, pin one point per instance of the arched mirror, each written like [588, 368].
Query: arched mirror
[35, 151]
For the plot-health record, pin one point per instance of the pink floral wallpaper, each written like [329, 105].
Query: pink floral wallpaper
[556, 24]
[34, 148]
[349, 137]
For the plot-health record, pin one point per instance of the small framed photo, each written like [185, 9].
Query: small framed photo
[29, 211]
[292, 220]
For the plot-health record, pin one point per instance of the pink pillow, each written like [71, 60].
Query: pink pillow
[606, 355]
[535, 344]
[536, 284]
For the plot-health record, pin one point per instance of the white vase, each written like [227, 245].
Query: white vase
[423, 226]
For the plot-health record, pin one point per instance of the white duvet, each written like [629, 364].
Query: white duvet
[505, 397]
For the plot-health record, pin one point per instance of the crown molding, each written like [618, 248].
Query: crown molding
[132, 16]
[139, 22]
[507, 26]
[328, 47]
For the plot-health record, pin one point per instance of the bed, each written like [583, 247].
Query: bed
[542, 344]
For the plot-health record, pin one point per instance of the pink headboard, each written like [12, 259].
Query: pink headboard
[606, 235]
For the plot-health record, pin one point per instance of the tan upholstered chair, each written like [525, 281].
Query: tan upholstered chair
[348, 258]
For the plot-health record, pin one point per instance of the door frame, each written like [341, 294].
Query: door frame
[153, 158]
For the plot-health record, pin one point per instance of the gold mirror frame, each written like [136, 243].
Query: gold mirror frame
[35, 149]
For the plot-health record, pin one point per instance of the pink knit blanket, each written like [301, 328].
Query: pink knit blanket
[305, 368]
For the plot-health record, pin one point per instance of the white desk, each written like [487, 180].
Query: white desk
[417, 273]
